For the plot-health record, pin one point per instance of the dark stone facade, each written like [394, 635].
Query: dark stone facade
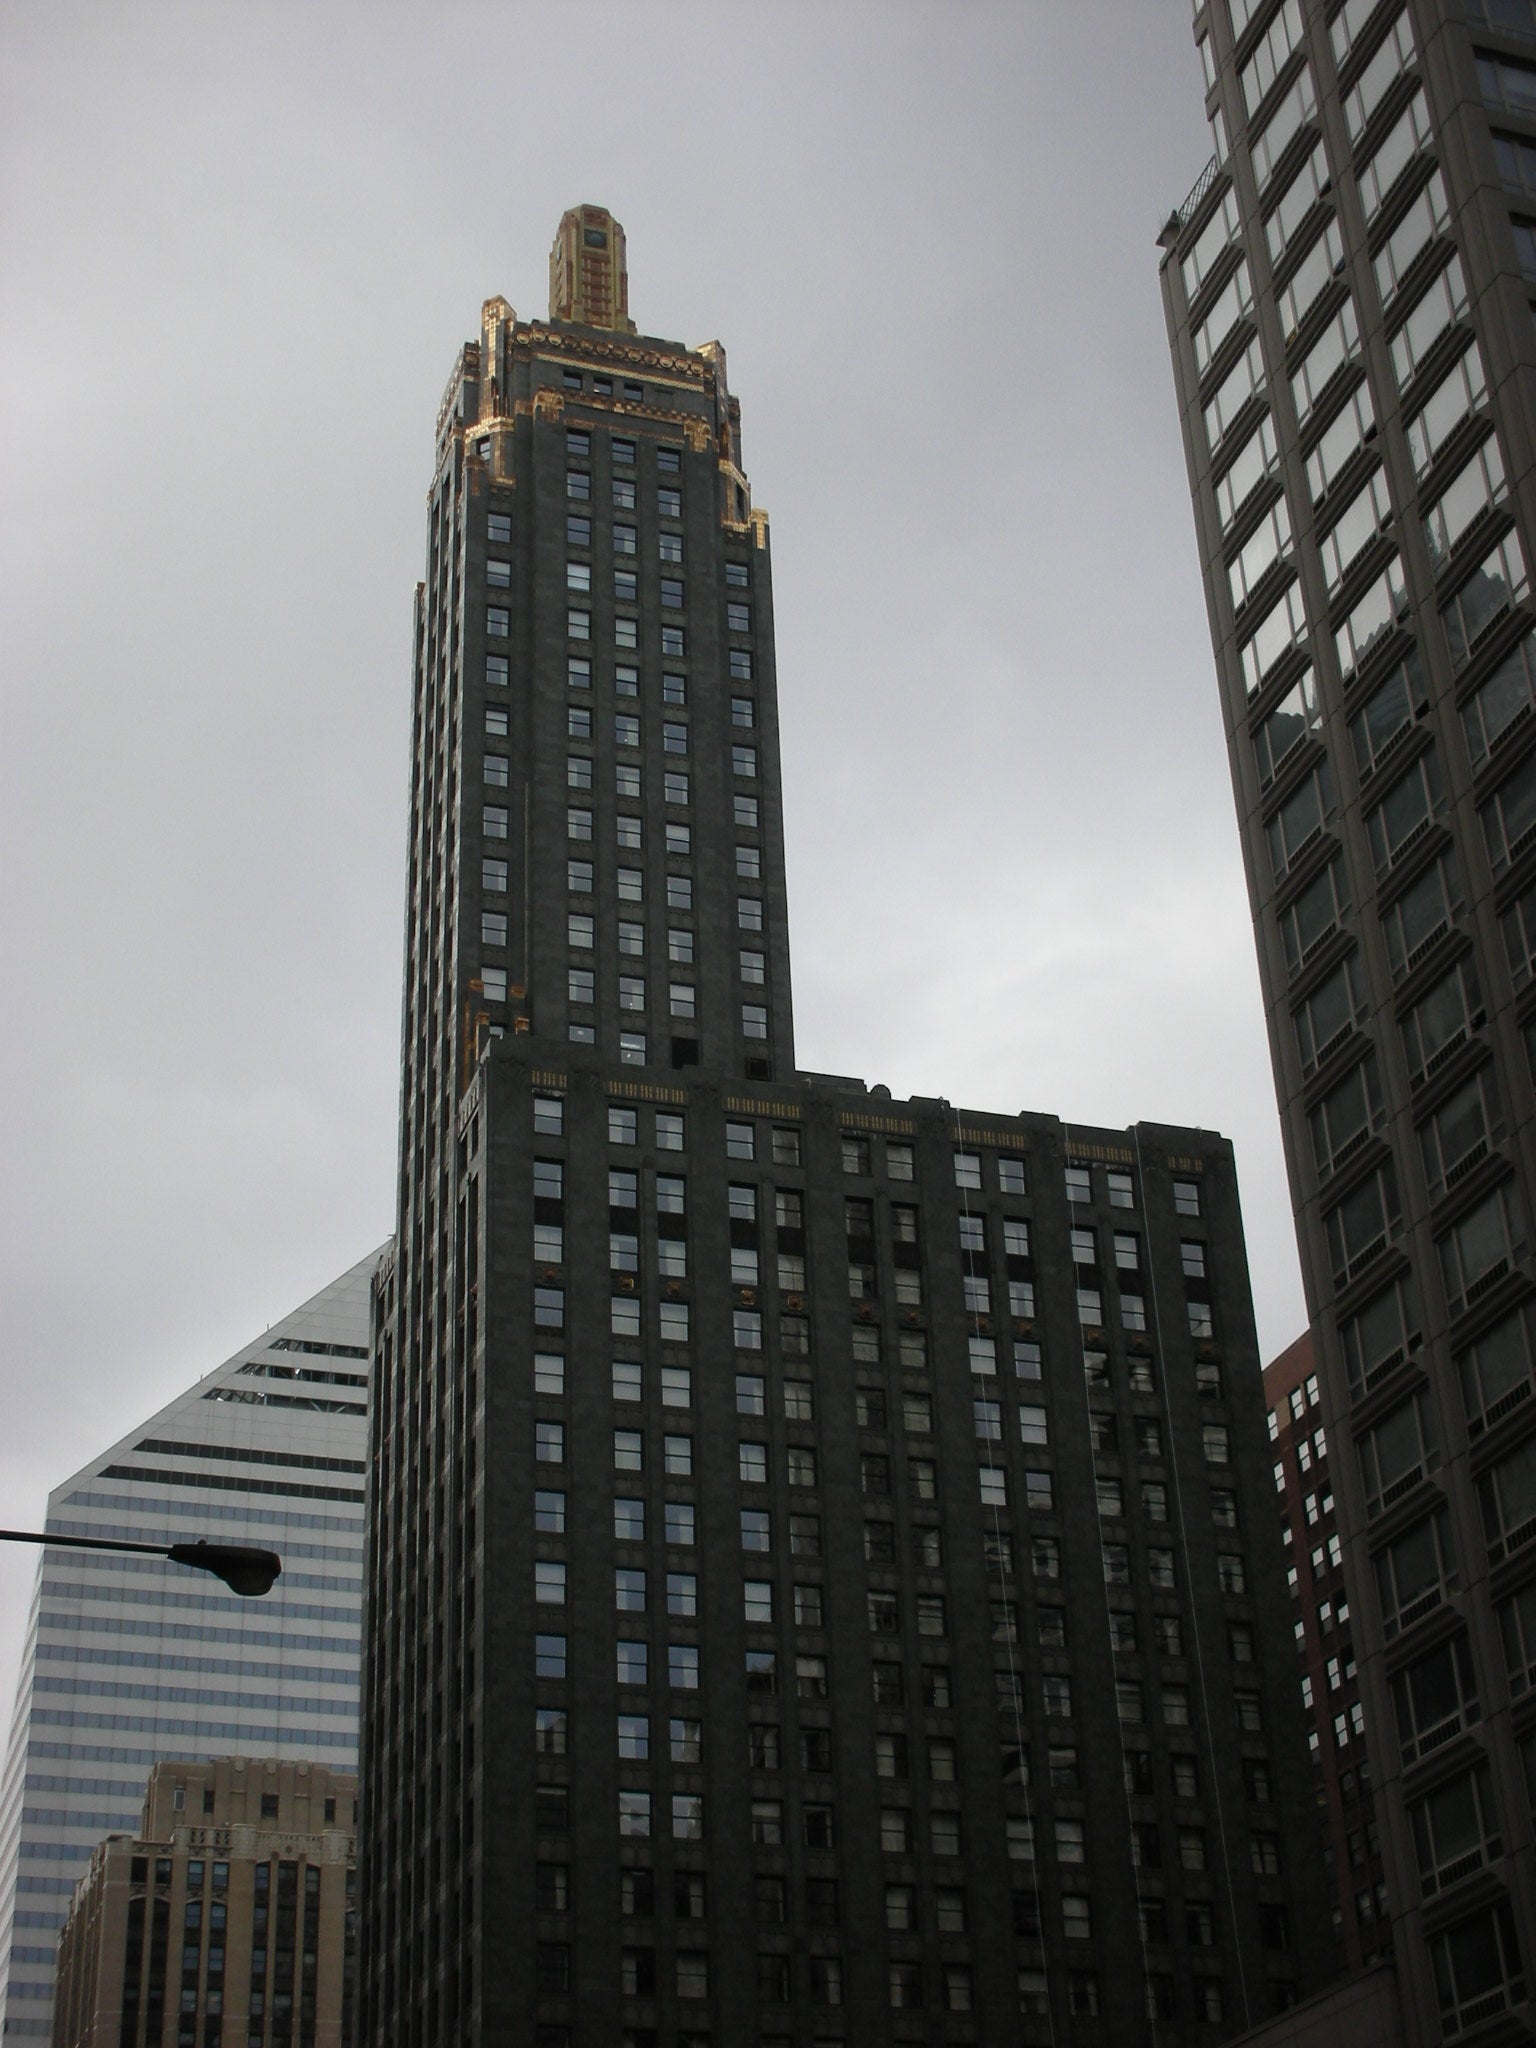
[750, 1444]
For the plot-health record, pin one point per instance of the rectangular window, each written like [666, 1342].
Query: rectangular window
[1281, 628]
[1296, 202]
[1343, 437]
[1440, 307]
[1393, 56]
[1478, 485]
[1366, 515]
[1509, 818]
[1414, 1572]
[1322, 263]
[1269, 56]
[1253, 462]
[1405, 813]
[1408, 136]
[1293, 720]
[1234, 304]
[1297, 108]
[1374, 616]
[1270, 539]
[1211, 244]
[1498, 583]
[1338, 344]
[1428, 216]
[1504, 81]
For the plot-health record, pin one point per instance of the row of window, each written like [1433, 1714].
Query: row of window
[1077, 1995]
[804, 1530]
[624, 492]
[784, 1149]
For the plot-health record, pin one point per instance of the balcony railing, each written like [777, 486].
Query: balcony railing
[1197, 192]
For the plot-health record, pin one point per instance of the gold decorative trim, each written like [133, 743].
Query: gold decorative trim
[646, 1091]
[861, 1120]
[535, 335]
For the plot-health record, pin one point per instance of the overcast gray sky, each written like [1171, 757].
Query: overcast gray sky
[241, 244]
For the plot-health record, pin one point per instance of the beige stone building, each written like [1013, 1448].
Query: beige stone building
[226, 1924]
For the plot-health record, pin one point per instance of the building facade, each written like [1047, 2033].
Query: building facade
[1323, 1623]
[1349, 299]
[811, 1597]
[227, 1921]
[130, 1660]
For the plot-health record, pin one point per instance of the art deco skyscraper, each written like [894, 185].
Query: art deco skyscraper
[1349, 294]
[810, 1595]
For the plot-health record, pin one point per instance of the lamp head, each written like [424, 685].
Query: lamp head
[245, 1571]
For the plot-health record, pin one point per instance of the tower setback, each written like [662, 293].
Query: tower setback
[812, 1595]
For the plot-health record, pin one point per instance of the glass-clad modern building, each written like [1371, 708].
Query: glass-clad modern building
[131, 1660]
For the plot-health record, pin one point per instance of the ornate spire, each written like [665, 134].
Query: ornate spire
[588, 279]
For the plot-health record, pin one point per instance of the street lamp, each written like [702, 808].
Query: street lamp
[245, 1571]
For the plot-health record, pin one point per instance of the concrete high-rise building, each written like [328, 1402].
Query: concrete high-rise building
[822, 1577]
[225, 1921]
[130, 1660]
[1323, 1623]
[1349, 296]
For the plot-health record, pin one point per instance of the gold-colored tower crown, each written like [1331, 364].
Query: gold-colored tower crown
[588, 276]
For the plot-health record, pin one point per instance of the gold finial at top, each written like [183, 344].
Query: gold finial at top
[588, 277]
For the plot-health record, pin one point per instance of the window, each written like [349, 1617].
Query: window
[1476, 1963]
[1311, 278]
[549, 1583]
[739, 1141]
[1439, 307]
[1508, 694]
[1211, 244]
[1336, 447]
[549, 1656]
[1366, 514]
[1509, 816]
[1234, 303]
[1282, 627]
[1270, 539]
[1338, 344]
[1407, 137]
[1413, 1573]
[1233, 394]
[1479, 484]
[1442, 1020]
[549, 1442]
[677, 1456]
